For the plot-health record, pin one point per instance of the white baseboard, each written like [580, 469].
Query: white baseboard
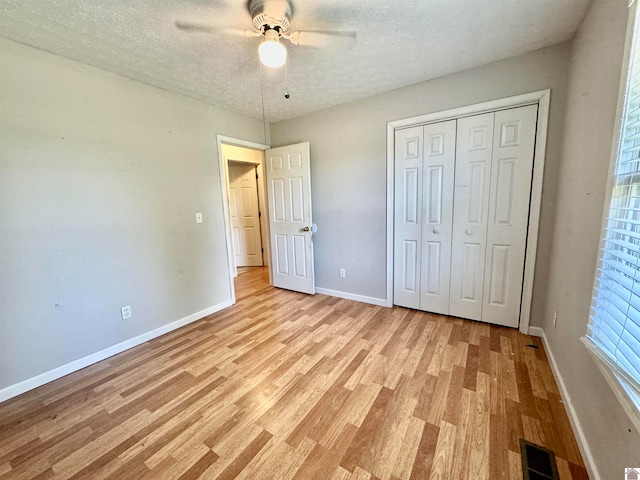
[573, 417]
[46, 377]
[537, 332]
[381, 302]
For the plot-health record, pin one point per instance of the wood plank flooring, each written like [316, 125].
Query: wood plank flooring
[288, 386]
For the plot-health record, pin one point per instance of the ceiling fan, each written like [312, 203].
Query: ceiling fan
[272, 20]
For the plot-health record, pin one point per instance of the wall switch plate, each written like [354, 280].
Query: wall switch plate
[126, 312]
[198, 217]
[343, 273]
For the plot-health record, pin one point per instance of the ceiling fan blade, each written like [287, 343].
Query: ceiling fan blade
[203, 28]
[320, 38]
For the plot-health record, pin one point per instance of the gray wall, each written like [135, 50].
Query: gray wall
[594, 81]
[100, 178]
[348, 162]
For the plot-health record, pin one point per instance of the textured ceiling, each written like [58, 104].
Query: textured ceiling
[398, 43]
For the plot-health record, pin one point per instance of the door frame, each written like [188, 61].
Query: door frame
[224, 183]
[542, 99]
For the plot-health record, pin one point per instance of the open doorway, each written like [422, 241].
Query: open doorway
[245, 215]
[285, 220]
[233, 151]
[247, 206]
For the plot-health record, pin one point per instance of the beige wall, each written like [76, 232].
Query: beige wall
[592, 96]
[100, 180]
[348, 162]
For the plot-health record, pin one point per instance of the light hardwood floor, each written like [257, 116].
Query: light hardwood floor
[284, 385]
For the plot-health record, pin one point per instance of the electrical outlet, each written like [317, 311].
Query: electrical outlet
[198, 217]
[555, 318]
[126, 312]
[343, 273]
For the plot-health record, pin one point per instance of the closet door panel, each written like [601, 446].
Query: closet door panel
[511, 173]
[474, 143]
[407, 217]
[437, 215]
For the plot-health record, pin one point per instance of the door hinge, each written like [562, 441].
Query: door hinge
[259, 214]
[256, 176]
[262, 249]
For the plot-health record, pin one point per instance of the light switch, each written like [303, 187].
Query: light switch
[198, 217]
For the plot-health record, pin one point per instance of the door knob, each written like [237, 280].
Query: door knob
[468, 232]
[436, 231]
[306, 229]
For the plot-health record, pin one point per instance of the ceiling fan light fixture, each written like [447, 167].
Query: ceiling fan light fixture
[271, 52]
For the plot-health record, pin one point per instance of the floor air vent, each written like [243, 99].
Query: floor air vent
[538, 463]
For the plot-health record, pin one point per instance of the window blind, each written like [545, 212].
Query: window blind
[614, 325]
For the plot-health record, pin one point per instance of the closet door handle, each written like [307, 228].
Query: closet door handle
[436, 231]
[468, 232]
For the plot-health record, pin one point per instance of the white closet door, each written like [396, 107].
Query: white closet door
[511, 171]
[437, 215]
[472, 177]
[407, 214]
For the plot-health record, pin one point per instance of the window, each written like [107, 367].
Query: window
[613, 335]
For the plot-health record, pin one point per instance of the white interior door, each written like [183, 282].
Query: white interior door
[408, 217]
[511, 171]
[472, 182]
[437, 215]
[245, 215]
[289, 190]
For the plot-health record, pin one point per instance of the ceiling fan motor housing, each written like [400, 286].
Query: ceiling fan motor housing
[271, 15]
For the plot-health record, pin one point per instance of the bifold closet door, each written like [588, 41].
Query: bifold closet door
[470, 215]
[462, 194]
[437, 215]
[424, 169]
[511, 174]
[407, 217]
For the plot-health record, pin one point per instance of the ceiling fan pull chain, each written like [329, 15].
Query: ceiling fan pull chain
[286, 83]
